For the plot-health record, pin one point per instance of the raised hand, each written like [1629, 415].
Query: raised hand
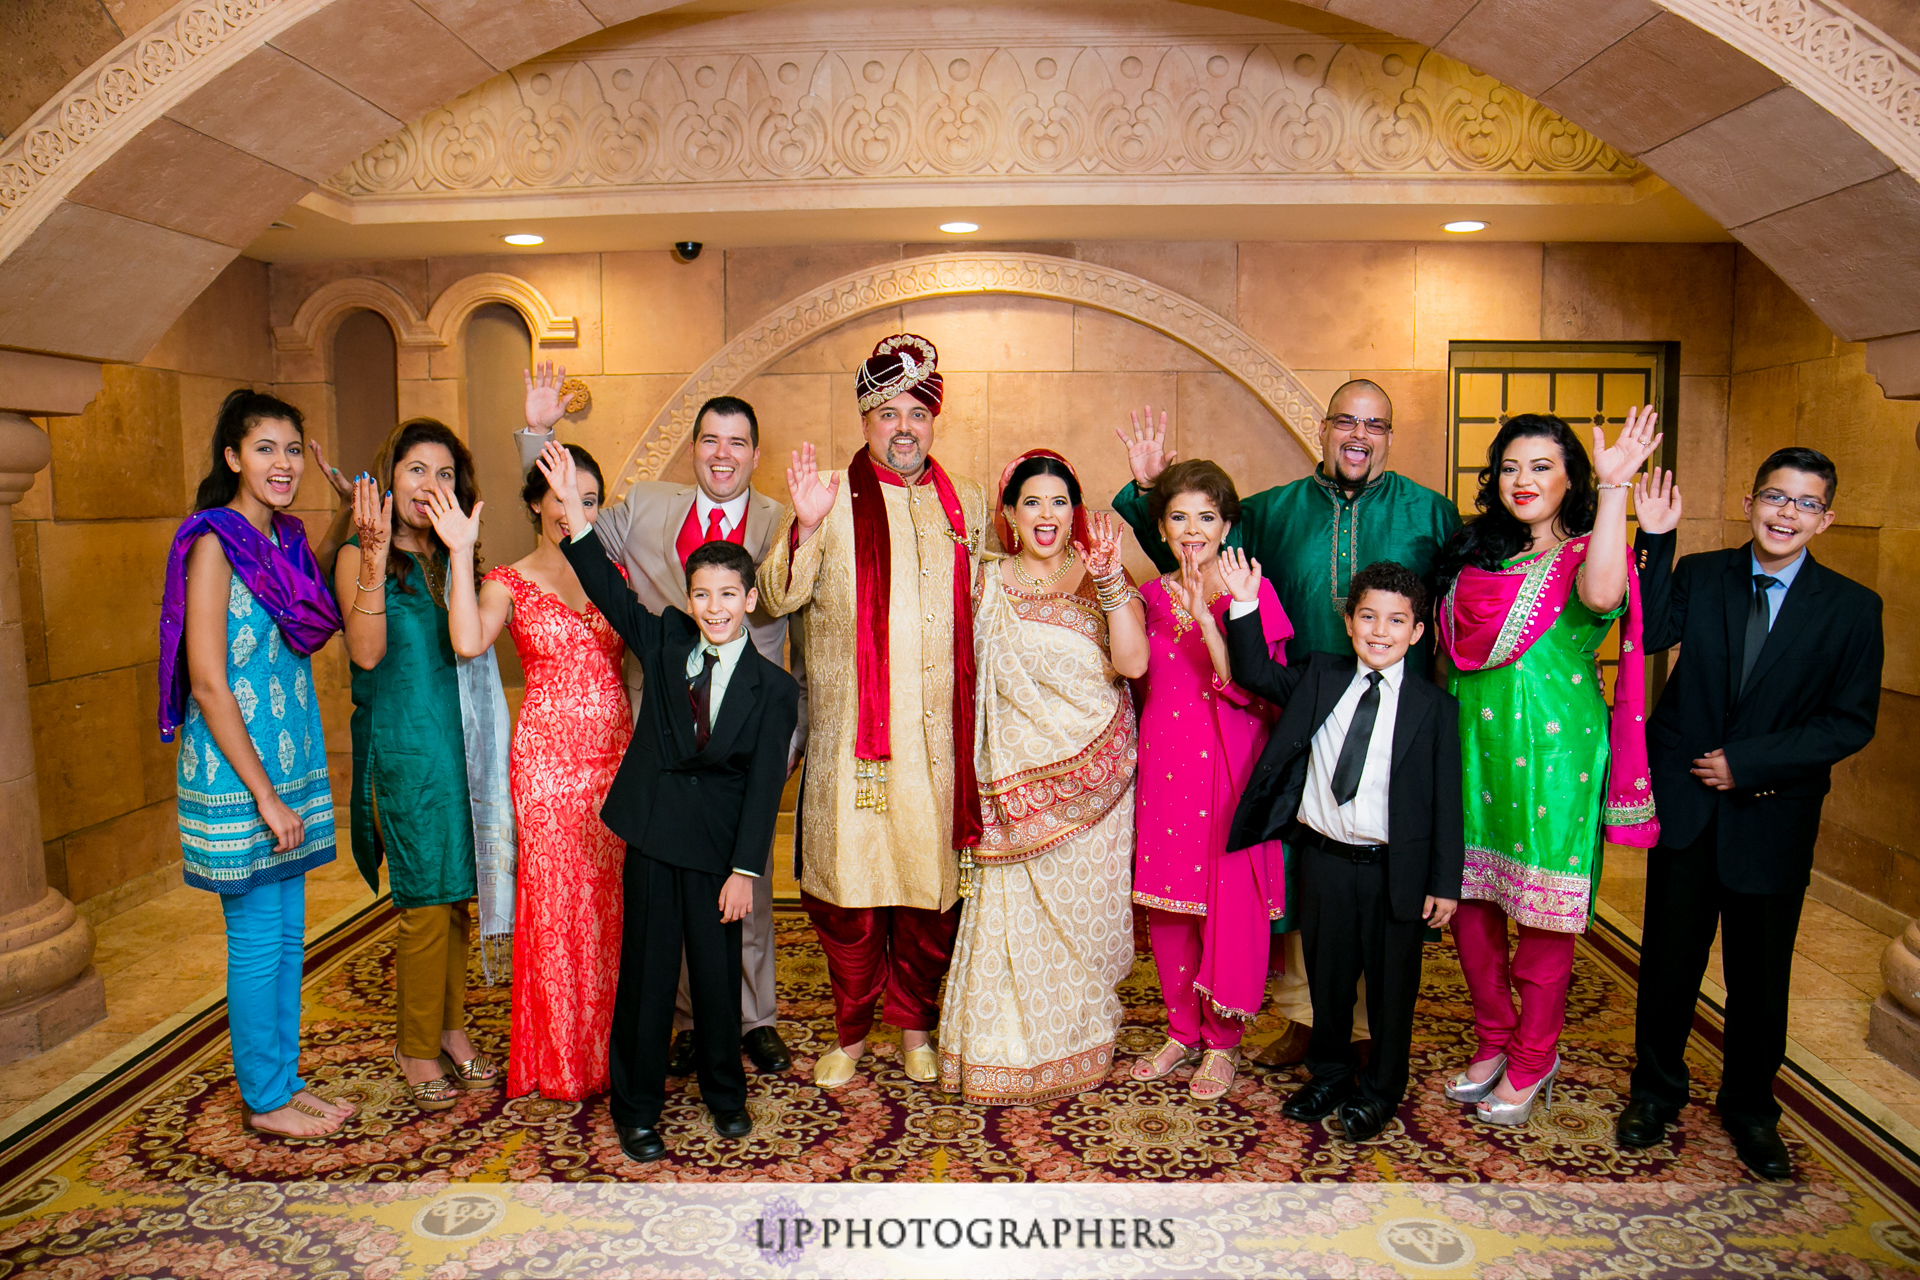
[812, 496]
[556, 464]
[1619, 462]
[342, 485]
[1191, 590]
[1656, 501]
[459, 530]
[1103, 555]
[545, 404]
[372, 517]
[1241, 573]
[1147, 452]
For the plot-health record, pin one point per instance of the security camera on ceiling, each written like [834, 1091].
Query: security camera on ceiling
[687, 250]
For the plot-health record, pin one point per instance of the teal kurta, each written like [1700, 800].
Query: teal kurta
[1310, 538]
[409, 752]
[1533, 756]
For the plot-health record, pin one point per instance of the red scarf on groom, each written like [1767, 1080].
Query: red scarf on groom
[873, 586]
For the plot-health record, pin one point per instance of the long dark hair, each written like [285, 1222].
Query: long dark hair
[240, 413]
[407, 437]
[1496, 535]
[538, 485]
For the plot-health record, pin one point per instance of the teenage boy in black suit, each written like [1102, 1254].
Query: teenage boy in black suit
[1778, 680]
[695, 800]
[1362, 777]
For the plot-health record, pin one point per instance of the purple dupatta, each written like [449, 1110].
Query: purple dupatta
[284, 577]
[1493, 616]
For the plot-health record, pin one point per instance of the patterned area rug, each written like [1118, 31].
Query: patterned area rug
[150, 1172]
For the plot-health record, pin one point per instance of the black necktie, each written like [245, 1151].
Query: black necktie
[700, 689]
[1353, 752]
[1757, 617]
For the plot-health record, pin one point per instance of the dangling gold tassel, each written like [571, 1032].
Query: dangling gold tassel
[967, 884]
[870, 785]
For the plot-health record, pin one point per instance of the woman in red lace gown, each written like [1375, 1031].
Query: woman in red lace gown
[572, 731]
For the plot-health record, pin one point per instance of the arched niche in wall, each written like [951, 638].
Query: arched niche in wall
[366, 388]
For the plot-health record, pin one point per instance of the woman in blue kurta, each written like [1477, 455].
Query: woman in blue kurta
[245, 605]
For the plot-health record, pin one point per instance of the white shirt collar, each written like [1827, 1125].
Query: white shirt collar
[733, 510]
[1390, 676]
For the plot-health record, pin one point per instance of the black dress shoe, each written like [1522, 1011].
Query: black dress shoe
[1760, 1149]
[767, 1049]
[1317, 1099]
[680, 1054]
[643, 1145]
[1643, 1123]
[732, 1124]
[1363, 1118]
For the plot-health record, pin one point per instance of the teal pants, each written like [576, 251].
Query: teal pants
[266, 937]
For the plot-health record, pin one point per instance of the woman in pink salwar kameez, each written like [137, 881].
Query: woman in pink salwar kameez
[1208, 911]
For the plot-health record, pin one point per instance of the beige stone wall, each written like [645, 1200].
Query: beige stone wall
[1795, 383]
[91, 538]
[1758, 371]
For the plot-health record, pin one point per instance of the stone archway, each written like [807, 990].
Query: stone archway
[795, 323]
[1796, 124]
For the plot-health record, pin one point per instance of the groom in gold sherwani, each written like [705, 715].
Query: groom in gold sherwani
[879, 558]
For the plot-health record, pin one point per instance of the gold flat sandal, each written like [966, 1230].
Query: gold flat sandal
[1208, 1083]
[1169, 1058]
[835, 1069]
[246, 1122]
[477, 1072]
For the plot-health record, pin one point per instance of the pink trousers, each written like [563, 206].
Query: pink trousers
[1178, 954]
[1536, 974]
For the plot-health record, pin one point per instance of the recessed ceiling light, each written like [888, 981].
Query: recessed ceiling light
[1464, 226]
[523, 237]
[959, 228]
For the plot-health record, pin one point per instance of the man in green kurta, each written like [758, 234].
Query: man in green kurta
[1310, 538]
[1313, 535]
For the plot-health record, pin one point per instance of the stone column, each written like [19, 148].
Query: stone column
[49, 988]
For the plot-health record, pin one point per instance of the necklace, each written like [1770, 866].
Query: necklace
[436, 591]
[1020, 572]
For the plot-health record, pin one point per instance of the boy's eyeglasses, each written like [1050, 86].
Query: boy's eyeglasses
[1775, 498]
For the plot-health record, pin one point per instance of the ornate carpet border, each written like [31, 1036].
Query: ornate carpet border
[103, 1102]
[1853, 1139]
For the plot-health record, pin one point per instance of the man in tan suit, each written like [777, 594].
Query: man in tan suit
[654, 529]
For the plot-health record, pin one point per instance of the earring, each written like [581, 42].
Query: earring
[1015, 548]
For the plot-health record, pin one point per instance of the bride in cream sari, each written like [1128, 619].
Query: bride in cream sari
[1046, 931]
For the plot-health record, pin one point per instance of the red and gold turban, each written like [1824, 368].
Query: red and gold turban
[907, 364]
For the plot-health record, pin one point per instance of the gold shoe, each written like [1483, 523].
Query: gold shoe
[477, 1072]
[835, 1069]
[921, 1065]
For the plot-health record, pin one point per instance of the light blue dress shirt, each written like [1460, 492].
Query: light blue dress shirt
[1782, 580]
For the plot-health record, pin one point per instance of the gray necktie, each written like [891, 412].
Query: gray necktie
[1757, 617]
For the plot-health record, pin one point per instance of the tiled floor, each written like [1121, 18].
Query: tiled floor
[161, 957]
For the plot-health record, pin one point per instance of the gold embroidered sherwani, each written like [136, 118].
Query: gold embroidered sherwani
[902, 856]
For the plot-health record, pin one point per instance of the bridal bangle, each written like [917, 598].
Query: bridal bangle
[1113, 591]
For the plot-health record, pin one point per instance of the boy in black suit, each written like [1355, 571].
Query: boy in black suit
[1778, 680]
[1362, 777]
[695, 800]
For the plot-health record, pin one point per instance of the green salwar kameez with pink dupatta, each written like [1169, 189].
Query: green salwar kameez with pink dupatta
[1549, 773]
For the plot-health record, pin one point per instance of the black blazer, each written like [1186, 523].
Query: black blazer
[713, 810]
[1812, 702]
[1426, 833]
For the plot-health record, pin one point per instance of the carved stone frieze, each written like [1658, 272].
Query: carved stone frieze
[1040, 110]
[1831, 54]
[792, 325]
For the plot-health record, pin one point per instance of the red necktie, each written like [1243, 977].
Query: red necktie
[714, 532]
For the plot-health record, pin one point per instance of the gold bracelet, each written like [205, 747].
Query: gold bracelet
[375, 587]
[371, 613]
[1624, 484]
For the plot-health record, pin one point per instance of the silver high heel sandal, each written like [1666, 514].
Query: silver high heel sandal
[1515, 1114]
[1463, 1089]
